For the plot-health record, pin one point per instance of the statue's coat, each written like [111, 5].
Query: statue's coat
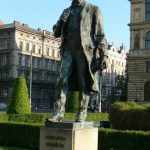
[91, 26]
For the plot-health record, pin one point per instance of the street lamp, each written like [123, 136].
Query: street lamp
[30, 77]
[100, 91]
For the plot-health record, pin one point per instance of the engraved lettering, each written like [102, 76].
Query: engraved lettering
[61, 138]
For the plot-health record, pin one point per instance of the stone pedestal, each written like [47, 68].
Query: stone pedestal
[69, 136]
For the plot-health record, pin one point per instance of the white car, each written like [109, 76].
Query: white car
[3, 105]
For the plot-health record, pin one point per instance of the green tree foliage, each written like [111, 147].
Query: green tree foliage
[19, 102]
[72, 103]
[122, 86]
[119, 90]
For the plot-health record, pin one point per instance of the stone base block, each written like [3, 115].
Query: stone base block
[68, 139]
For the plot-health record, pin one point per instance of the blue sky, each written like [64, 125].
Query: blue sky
[44, 13]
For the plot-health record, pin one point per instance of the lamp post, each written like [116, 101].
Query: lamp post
[100, 91]
[30, 77]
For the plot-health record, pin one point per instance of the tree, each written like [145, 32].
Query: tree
[119, 91]
[122, 87]
[19, 102]
[72, 103]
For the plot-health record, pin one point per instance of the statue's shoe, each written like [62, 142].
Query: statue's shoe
[81, 116]
[54, 119]
[80, 120]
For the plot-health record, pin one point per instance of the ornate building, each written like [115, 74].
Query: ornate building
[24, 50]
[116, 66]
[139, 54]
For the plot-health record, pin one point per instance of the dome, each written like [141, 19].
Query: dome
[1, 22]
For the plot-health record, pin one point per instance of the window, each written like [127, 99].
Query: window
[57, 53]
[8, 44]
[2, 45]
[26, 61]
[147, 40]
[7, 59]
[47, 51]
[38, 63]
[53, 52]
[39, 50]
[20, 60]
[147, 10]
[147, 66]
[58, 66]
[34, 64]
[33, 48]
[50, 65]
[21, 45]
[46, 64]
[3, 60]
[27, 47]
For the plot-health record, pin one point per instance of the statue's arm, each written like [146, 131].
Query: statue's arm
[57, 29]
[99, 34]
[100, 39]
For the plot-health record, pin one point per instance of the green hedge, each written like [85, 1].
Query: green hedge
[72, 102]
[27, 118]
[130, 116]
[20, 134]
[109, 139]
[40, 118]
[95, 117]
[27, 135]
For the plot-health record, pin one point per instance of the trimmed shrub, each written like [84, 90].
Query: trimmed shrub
[27, 118]
[130, 116]
[3, 117]
[20, 134]
[19, 102]
[109, 139]
[72, 102]
[95, 117]
[40, 118]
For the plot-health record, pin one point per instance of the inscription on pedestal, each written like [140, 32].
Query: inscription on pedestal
[55, 139]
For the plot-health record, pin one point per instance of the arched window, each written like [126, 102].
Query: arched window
[147, 40]
[147, 10]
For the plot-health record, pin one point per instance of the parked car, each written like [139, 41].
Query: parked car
[3, 106]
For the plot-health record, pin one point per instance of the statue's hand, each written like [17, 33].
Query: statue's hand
[104, 63]
[64, 17]
[97, 53]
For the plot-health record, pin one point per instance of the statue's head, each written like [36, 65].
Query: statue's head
[78, 1]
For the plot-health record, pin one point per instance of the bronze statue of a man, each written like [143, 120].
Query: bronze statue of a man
[83, 40]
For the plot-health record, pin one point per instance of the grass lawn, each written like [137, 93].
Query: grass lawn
[12, 148]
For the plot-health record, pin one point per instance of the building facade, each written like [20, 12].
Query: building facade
[116, 66]
[23, 51]
[139, 54]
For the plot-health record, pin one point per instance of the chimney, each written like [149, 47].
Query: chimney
[39, 29]
[16, 22]
[25, 25]
[122, 47]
